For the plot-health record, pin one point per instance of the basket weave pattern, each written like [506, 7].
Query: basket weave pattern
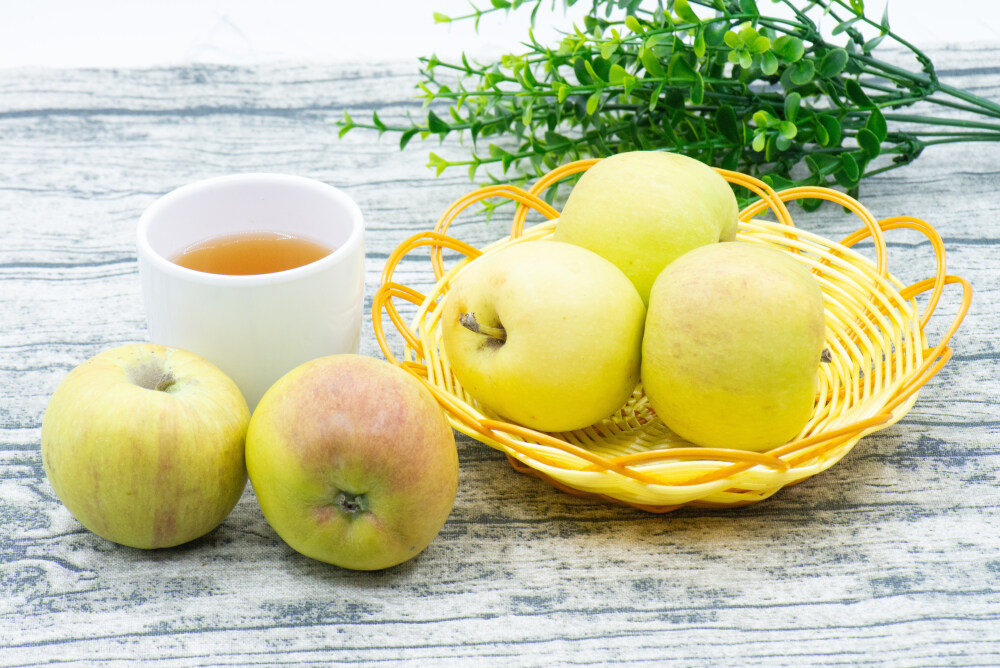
[875, 332]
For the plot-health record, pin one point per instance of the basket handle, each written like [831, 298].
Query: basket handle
[937, 356]
[911, 223]
[388, 289]
[769, 197]
[872, 226]
[526, 200]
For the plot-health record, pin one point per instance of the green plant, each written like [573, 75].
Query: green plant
[726, 84]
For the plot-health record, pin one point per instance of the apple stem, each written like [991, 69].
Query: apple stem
[468, 320]
[827, 356]
[164, 384]
[351, 504]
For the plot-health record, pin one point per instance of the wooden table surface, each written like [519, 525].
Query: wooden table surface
[892, 557]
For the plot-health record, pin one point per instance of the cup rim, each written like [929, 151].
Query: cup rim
[145, 249]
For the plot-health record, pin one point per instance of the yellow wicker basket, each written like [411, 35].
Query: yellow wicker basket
[875, 332]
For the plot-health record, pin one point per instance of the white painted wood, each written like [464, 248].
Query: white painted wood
[892, 557]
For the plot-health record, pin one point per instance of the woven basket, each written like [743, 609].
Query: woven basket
[875, 332]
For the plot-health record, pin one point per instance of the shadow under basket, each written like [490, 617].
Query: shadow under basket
[874, 331]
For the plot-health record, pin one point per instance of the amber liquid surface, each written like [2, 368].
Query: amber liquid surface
[251, 253]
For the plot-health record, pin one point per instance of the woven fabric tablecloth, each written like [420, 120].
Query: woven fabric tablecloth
[892, 557]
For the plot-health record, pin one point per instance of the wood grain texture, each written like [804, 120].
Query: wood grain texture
[892, 557]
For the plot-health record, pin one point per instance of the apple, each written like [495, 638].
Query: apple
[353, 462]
[733, 342]
[143, 444]
[545, 334]
[643, 209]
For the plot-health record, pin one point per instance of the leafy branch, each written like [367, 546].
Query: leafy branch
[726, 84]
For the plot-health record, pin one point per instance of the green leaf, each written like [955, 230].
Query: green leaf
[651, 63]
[876, 125]
[858, 6]
[850, 167]
[679, 69]
[655, 97]
[788, 130]
[377, 122]
[749, 7]
[592, 102]
[872, 44]
[732, 40]
[869, 143]
[580, 69]
[789, 48]
[552, 137]
[792, 102]
[436, 125]
[832, 127]
[802, 72]
[822, 136]
[441, 18]
[684, 11]
[760, 44]
[617, 74]
[608, 49]
[506, 158]
[762, 119]
[562, 91]
[346, 125]
[699, 43]
[526, 114]
[777, 181]
[633, 24]
[833, 63]
[856, 93]
[844, 25]
[769, 148]
[492, 79]
[758, 141]
[813, 164]
[437, 163]
[698, 89]
[731, 159]
[728, 124]
[715, 33]
[810, 203]
[405, 138]
[747, 35]
[628, 84]
[884, 23]
[500, 4]
[768, 63]
[595, 77]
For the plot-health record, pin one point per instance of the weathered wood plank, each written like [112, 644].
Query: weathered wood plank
[890, 557]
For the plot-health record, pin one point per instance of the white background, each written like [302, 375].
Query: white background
[141, 33]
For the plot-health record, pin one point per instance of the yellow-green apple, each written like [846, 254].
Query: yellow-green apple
[143, 444]
[353, 462]
[545, 334]
[733, 343]
[643, 209]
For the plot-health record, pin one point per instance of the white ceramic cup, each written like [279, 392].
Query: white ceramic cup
[254, 327]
